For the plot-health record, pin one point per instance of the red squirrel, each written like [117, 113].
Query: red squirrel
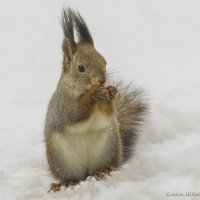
[91, 127]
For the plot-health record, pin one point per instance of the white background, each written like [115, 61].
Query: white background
[154, 43]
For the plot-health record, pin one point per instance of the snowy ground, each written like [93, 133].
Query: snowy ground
[156, 43]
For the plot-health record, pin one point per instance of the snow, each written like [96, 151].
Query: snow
[156, 43]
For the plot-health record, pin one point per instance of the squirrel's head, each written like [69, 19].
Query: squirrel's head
[82, 64]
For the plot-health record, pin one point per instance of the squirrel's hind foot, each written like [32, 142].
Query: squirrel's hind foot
[103, 172]
[56, 186]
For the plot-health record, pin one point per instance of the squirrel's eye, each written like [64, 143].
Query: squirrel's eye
[81, 68]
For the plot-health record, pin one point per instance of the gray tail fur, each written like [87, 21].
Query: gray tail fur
[132, 107]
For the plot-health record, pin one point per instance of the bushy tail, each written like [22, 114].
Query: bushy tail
[132, 107]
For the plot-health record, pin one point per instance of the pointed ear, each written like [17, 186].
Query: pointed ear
[69, 44]
[83, 32]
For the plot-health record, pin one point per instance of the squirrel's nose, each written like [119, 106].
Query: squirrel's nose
[102, 80]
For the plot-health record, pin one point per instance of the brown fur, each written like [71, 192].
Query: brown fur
[88, 123]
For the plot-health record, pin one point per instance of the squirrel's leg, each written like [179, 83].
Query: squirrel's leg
[117, 157]
[105, 97]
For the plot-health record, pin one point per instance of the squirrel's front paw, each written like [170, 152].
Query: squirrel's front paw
[100, 94]
[104, 94]
[112, 91]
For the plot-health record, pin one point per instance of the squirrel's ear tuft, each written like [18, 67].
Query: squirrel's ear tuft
[82, 29]
[69, 44]
[73, 21]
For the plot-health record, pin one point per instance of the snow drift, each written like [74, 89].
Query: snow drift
[159, 50]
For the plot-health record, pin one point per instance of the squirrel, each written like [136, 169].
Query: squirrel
[91, 127]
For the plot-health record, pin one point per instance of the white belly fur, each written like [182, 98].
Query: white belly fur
[85, 146]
